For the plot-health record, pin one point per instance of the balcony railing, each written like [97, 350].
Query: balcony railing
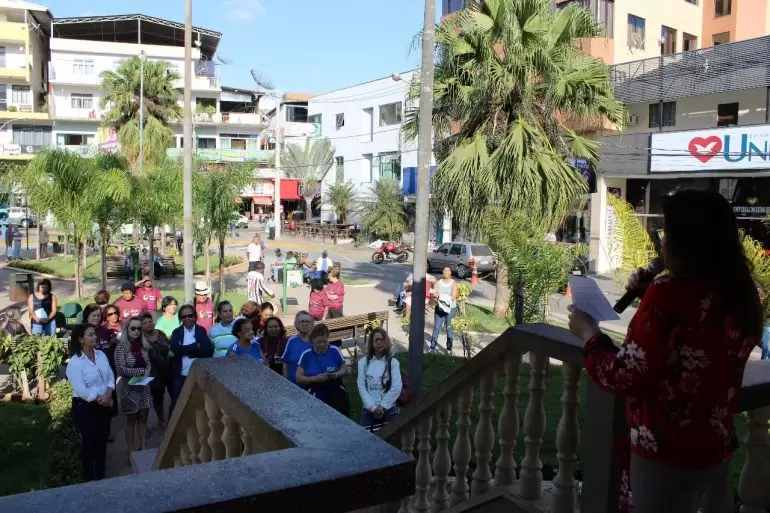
[243, 438]
[220, 155]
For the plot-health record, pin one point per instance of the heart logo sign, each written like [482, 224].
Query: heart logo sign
[705, 148]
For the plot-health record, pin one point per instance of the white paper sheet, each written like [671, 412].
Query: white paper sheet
[588, 297]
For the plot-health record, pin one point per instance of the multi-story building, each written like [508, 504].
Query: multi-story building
[24, 32]
[695, 120]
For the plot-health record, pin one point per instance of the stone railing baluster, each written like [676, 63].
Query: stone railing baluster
[423, 470]
[231, 437]
[508, 423]
[407, 446]
[531, 476]
[214, 415]
[442, 462]
[484, 438]
[184, 455]
[247, 442]
[192, 444]
[752, 486]
[461, 453]
[567, 440]
[202, 423]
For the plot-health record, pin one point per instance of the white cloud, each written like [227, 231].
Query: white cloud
[244, 11]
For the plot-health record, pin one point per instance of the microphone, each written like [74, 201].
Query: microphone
[653, 269]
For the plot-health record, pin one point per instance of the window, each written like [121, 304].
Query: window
[456, 249]
[238, 142]
[721, 38]
[694, 2]
[450, 6]
[207, 143]
[82, 101]
[2, 56]
[296, 113]
[390, 165]
[317, 120]
[74, 139]
[82, 67]
[689, 42]
[339, 169]
[668, 38]
[340, 120]
[635, 31]
[3, 97]
[32, 135]
[390, 114]
[669, 114]
[21, 95]
[727, 114]
[723, 8]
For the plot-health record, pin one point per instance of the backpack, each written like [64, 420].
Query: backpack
[406, 390]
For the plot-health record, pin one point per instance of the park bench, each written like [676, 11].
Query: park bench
[116, 266]
[350, 327]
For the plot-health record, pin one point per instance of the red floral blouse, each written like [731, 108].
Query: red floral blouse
[681, 369]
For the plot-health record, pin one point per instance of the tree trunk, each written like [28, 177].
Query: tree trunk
[41, 392]
[37, 249]
[308, 209]
[104, 235]
[24, 385]
[163, 240]
[78, 267]
[502, 294]
[221, 266]
[152, 253]
[207, 260]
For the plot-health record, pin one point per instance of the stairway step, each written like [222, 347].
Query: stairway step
[141, 461]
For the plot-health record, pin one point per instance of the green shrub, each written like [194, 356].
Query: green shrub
[65, 463]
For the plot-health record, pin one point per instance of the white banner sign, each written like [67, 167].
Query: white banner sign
[724, 149]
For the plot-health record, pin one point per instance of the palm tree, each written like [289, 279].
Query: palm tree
[71, 188]
[309, 164]
[385, 213]
[510, 74]
[121, 95]
[216, 192]
[342, 197]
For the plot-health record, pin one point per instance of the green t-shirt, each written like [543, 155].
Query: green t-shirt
[167, 325]
[291, 261]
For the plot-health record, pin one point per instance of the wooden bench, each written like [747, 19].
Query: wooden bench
[116, 266]
[348, 327]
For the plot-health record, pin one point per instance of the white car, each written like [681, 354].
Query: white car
[242, 222]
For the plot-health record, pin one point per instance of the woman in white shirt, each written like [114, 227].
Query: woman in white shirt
[379, 382]
[92, 380]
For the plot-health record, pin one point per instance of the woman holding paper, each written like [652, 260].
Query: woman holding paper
[42, 308]
[132, 360]
[681, 366]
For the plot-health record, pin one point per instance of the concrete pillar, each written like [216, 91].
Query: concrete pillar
[600, 246]
[447, 226]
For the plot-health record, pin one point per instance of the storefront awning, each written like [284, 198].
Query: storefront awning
[290, 190]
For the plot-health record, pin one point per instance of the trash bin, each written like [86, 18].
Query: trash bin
[20, 287]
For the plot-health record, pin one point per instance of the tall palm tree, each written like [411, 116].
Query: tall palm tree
[342, 197]
[385, 212]
[71, 188]
[121, 95]
[511, 78]
[309, 163]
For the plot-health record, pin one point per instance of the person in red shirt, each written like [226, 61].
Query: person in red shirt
[149, 293]
[204, 306]
[317, 302]
[681, 365]
[335, 294]
[130, 305]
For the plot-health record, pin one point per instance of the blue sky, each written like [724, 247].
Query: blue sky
[301, 45]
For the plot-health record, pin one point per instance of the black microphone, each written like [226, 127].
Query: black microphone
[653, 269]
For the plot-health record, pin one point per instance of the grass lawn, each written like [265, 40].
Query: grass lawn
[64, 266]
[436, 368]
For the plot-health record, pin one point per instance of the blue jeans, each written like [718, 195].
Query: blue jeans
[399, 299]
[44, 329]
[16, 250]
[369, 422]
[441, 319]
[765, 343]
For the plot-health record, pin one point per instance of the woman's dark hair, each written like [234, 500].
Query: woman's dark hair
[111, 306]
[316, 284]
[249, 309]
[102, 297]
[186, 307]
[238, 325]
[319, 330]
[219, 309]
[146, 315]
[74, 346]
[45, 281]
[702, 241]
[88, 310]
[259, 267]
[266, 306]
[168, 300]
[280, 323]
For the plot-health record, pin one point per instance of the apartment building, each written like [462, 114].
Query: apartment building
[24, 33]
[701, 120]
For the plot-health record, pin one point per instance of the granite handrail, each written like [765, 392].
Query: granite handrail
[280, 449]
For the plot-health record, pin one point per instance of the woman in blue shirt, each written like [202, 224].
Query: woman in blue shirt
[221, 333]
[321, 370]
[246, 344]
[297, 345]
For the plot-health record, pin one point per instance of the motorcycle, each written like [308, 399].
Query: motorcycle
[390, 252]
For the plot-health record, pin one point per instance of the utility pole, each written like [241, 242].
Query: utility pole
[188, 158]
[277, 197]
[424, 160]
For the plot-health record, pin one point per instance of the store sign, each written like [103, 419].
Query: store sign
[726, 149]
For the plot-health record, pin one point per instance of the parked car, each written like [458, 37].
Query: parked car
[241, 221]
[18, 215]
[458, 256]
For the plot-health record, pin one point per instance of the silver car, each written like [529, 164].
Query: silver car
[20, 216]
[459, 255]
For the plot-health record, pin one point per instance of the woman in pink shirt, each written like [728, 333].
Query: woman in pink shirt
[317, 302]
[335, 294]
[149, 293]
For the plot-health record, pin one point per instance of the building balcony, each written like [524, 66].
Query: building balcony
[222, 155]
[21, 73]
[21, 112]
[14, 32]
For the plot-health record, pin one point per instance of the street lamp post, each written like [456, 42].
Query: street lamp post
[142, 57]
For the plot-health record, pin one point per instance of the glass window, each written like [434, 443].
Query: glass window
[727, 114]
[723, 8]
[340, 120]
[669, 114]
[722, 37]
[296, 113]
[689, 42]
[390, 114]
[450, 6]
[32, 135]
[457, 249]
[668, 38]
[635, 31]
[207, 143]
[21, 95]
[444, 248]
[339, 169]
[390, 165]
[2, 56]
[82, 101]
[3, 97]
[83, 67]
[481, 250]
